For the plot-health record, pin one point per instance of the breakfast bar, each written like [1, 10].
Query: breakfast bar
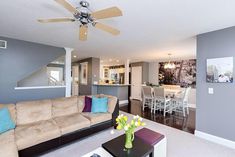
[121, 91]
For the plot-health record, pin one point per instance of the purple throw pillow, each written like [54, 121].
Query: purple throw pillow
[88, 103]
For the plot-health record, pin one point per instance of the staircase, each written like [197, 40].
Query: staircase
[54, 82]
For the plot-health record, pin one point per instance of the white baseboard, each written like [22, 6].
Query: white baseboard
[123, 102]
[215, 139]
[140, 99]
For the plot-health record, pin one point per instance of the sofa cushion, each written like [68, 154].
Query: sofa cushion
[33, 111]
[96, 118]
[81, 103]
[112, 102]
[64, 106]
[71, 123]
[32, 134]
[12, 110]
[7, 144]
[6, 123]
[7, 137]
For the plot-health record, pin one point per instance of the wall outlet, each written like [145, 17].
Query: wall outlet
[210, 90]
[3, 44]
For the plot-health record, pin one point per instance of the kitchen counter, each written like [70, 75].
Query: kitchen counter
[121, 91]
[119, 85]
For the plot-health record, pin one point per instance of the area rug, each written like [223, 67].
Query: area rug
[179, 143]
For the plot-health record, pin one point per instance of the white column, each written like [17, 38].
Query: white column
[127, 62]
[68, 79]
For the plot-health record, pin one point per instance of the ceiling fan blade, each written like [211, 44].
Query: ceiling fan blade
[107, 13]
[107, 28]
[56, 20]
[67, 6]
[83, 32]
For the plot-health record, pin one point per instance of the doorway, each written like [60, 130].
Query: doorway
[136, 82]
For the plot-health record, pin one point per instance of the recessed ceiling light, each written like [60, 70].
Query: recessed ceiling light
[74, 56]
[117, 61]
[110, 60]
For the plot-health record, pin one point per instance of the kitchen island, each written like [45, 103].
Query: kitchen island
[121, 91]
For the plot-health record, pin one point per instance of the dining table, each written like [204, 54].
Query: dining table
[173, 92]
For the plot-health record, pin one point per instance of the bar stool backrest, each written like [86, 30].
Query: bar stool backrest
[186, 94]
[158, 92]
[147, 91]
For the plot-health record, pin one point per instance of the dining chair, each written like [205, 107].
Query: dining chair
[161, 102]
[181, 102]
[147, 97]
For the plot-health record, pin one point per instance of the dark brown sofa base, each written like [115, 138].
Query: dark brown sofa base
[56, 143]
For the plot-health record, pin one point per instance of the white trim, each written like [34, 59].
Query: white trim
[38, 87]
[215, 139]
[68, 66]
[123, 102]
[127, 70]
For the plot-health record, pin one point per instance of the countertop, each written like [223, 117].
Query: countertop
[112, 85]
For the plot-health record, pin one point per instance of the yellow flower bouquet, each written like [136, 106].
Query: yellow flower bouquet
[129, 128]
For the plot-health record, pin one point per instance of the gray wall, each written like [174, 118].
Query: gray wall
[145, 70]
[93, 75]
[121, 92]
[38, 78]
[215, 113]
[20, 60]
[37, 94]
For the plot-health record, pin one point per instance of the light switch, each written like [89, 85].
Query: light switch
[211, 90]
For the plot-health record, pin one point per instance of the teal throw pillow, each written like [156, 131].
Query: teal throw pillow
[6, 123]
[99, 105]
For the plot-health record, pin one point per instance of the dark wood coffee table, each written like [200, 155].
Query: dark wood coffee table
[116, 147]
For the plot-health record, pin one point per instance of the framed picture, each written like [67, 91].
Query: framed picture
[220, 70]
[184, 73]
[84, 73]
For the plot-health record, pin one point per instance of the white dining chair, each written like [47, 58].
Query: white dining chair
[147, 97]
[161, 102]
[181, 102]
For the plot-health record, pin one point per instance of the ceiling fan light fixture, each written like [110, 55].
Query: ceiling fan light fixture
[85, 17]
[84, 4]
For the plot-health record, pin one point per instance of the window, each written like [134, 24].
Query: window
[55, 75]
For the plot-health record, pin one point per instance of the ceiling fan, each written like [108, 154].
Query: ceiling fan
[85, 16]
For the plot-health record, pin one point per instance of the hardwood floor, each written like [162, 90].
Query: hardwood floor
[176, 120]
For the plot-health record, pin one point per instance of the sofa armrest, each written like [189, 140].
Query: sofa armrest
[115, 114]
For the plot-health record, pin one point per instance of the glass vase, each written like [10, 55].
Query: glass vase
[129, 139]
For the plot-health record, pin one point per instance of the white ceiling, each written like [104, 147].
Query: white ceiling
[150, 29]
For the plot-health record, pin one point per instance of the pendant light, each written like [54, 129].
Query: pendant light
[169, 65]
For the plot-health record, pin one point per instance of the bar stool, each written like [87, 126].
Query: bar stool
[161, 102]
[147, 97]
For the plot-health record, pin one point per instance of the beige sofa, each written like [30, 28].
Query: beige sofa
[38, 122]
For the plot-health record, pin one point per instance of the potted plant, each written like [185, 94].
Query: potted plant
[129, 128]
